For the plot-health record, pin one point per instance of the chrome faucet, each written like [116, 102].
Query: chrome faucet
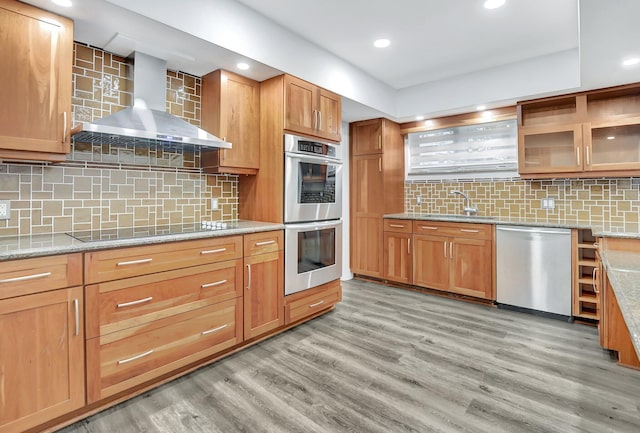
[468, 209]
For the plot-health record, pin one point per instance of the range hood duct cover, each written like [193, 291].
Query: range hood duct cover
[146, 122]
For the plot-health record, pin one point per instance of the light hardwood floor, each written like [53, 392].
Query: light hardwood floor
[391, 360]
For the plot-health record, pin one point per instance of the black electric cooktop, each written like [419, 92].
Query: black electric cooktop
[144, 232]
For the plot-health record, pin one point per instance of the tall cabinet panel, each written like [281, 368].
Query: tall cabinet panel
[377, 188]
[35, 83]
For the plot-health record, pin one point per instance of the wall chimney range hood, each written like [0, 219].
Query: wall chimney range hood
[146, 122]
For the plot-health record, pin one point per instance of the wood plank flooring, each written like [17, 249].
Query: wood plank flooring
[391, 360]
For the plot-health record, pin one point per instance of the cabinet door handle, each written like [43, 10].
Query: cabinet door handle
[64, 126]
[217, 283]
[398, 226]
[316, 304]
[210, 331]
[379, 141]
[133, 358]
[409, 246]
[380, 165]
[248, 276]
[586, 155]
[263, 243]
[578, 160]
[219, 250]
[134, 262]
[315, 119]
[76, 307]
[469, 231]
[139, 301]
[319, 119]
[450, 250]
[445, 249]
[428, 228]
[26, 277]
[593, 280]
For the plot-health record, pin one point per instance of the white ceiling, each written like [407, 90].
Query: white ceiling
[446, 56]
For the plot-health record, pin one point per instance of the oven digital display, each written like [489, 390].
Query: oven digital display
[316, 249]
[316, 148]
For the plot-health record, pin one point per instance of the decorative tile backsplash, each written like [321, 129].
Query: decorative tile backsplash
[589, 200]
[103, 186]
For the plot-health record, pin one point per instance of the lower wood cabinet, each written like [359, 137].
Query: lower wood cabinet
[41, 358]
[309, 302]
[264, 283]
[398, 254]
[431, 267]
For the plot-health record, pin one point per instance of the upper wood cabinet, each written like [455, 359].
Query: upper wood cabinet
[311, 110]
[366, 137]
[589, 134]
[231, 110]
[35, 83]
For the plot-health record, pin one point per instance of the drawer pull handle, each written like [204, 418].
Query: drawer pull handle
[133, 358]
[210, 331]
[316, 304]
[217, 283]
[219, 250]
[134, 262]
[400, 226]
[428, 228]
[26, 277]
[469, 231]
[260, 244]
[139, 301]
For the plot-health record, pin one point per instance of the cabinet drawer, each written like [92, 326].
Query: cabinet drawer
[130, 262]
[127, 358]
[27, 276]
[303, 304]
[121, 304]
[459, 230]
[266, 242]
[400, 226]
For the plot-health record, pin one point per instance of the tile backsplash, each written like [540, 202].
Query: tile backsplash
[608, 200]
[102, 186]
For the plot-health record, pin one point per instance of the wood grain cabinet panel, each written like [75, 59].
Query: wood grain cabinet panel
[41, 358]
[231, 110]
[471, 264]
[263, 293]
[398, 257]
[309, 302]
[35, 83]
[431, 261]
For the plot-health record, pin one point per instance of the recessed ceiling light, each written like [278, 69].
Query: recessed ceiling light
[63, 3]
[631, 61]
[242, 66]
[611, 137]
[381, 43]
[419, 117]
[481, 107]
[493, 4]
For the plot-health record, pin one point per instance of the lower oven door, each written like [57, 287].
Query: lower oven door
[313, 254]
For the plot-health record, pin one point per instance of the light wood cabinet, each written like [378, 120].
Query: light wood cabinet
[264, 283]
[153, 309]
[35, 83]
[377, 188]
[301, 305]
[586, 281]
[311, 110]
[398, 251]
[589, 134]
[454, 257]
[231, 110]
[42, 357]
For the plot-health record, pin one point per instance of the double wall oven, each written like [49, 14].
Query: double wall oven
[312, 212]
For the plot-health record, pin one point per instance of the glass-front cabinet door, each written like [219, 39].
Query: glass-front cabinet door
[612, 145]
[550, 149]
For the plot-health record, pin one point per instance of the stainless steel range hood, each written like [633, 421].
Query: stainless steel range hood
[146, 122]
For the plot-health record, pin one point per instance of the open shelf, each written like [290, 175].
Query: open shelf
[586, 299]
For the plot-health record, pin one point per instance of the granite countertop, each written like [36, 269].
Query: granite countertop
[623, 271]
[20, 247]
[618, 230]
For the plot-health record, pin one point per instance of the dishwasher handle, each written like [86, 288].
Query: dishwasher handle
[534, 230]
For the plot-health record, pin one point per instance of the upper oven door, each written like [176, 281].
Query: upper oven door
[312, 188]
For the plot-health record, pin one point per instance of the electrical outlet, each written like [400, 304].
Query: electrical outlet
[419, 200]
[214, 203]
[5, 209]
[548, 203]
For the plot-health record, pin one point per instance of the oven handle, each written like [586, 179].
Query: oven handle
[313, 158]
[318, 225]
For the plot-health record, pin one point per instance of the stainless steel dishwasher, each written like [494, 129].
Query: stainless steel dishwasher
[533, 267]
